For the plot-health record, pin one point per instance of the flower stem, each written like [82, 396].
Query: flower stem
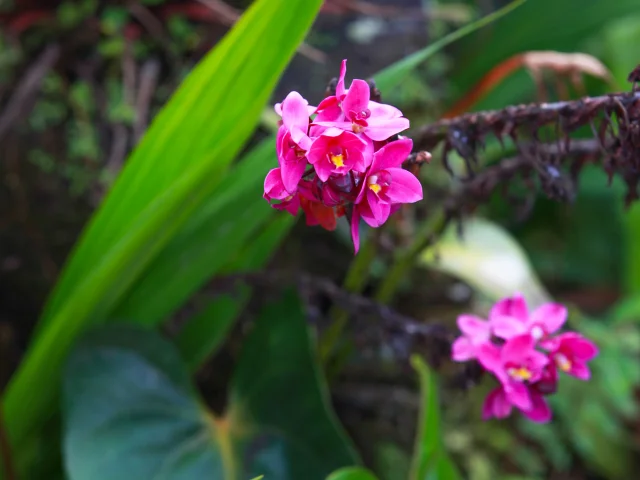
[354, 282]
[406, 260]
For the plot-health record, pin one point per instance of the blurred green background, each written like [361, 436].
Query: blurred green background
[113, 65]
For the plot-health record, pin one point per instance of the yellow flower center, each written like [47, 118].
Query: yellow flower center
[337, 160]
[356, 128]
[563, 362]
[288, 198]
[375, 188]
[520, 373]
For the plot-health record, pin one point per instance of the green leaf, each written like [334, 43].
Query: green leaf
[278, 385]
[352, 473]
[214, 234]
[565, 31]
[204, 332]
[130, 411]
[178, 165]
[430, 460]
[394, 74]
[488, 258]
[428, 443]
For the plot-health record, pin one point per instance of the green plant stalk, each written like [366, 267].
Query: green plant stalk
[632, 250]
[354, 282]
[406, 260]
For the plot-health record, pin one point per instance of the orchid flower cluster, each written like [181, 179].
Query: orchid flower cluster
[524, 352]
[338, 157]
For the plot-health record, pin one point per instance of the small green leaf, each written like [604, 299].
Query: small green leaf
[430, 461]
[352, 473]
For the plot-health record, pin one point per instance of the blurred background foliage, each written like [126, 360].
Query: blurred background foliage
[108, 67]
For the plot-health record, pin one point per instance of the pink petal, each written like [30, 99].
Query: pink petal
[514, 306]
[367, 215]
[405, 187]
[300, 138]
[489, 357]
[280, 139]
[579, 370]
[536, 363]
[473, 326]
[517, 349]
[329, 111]
[340, 84]
[391, 155]
[355, 228]
[380, 210]
[518, 395]
[292, 206]
[346, 126]
[273, 186]
[539, 411]
[462, 350]
[550, 315]
[383, 110]
[381, 129]
[357, 98]
[578, 346]
[294, 112]
[292, 171]
[506, 327]
[496, 405]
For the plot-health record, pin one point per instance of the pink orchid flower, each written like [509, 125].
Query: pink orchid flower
[384, 186]
[386, 183]
[497, 405]
[353, 109]
[475, 332]
[570, 352]
[292, 140]
[510, 317]
[515, 363]
[274, 190]
[338, 152]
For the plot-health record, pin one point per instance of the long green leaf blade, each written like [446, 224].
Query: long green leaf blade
[169, 175]
[391, 76]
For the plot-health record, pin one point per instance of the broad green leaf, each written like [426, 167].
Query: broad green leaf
[430, 460]
[175, 168]
[394, 74]
[278, 386]
[352, 473]
[130, 411]
[488, 258]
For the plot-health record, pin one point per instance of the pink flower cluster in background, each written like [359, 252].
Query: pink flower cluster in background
[338, 157]
[524, 352]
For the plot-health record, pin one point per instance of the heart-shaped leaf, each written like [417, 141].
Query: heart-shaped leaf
[130, 411]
